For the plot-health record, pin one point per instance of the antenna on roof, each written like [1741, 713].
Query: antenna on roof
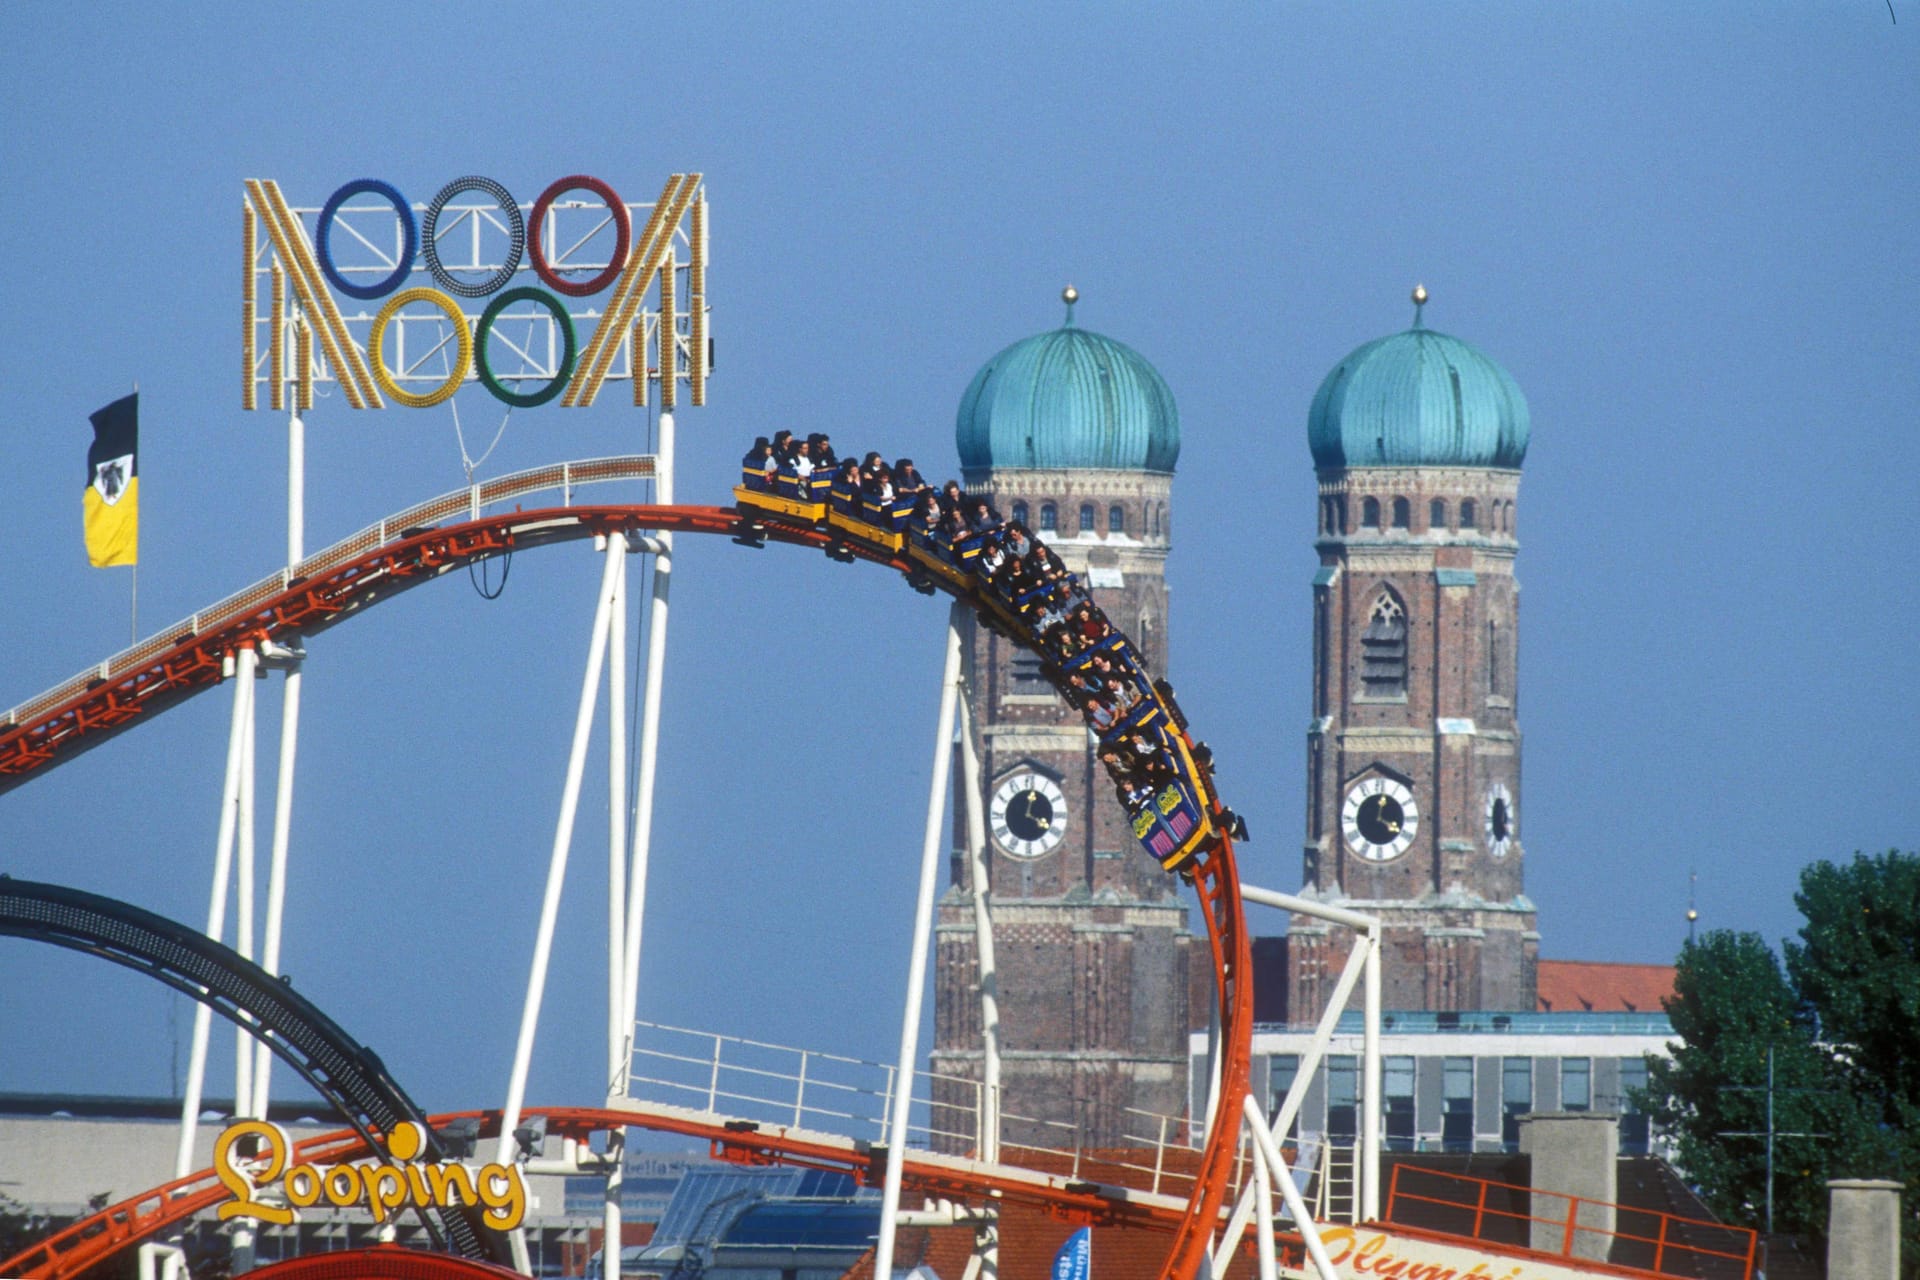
[1693, 916]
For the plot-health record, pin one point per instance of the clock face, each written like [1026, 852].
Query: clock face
[1502, 822]
[1029, 815]
[1379, 818]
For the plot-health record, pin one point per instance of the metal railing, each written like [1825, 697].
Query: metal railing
[737, 1079]
[1567, 1226]
[465, 504]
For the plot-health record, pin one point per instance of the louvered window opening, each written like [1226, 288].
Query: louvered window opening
[1383, 651]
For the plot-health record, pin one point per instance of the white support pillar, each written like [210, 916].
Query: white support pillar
[917, 961]
[616, 890]
[1369, 1201]
[557, 870]
[1269, 1154]
[217, 902]
[649, 723]
[970, 785]
[1350, 976]
[243, 1042]
[1263, 1215]
[289, 743]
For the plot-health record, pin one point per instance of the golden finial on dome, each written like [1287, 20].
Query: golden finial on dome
[1419, 302]
[1069, 295]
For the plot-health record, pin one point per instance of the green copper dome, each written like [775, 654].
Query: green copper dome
[1068, 398]
[1418, 399]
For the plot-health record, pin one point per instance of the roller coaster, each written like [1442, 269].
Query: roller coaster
[455, 530]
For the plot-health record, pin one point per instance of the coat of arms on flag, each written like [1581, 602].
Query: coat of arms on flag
[110, 504]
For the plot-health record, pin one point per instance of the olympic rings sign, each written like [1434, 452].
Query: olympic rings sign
[418, 243]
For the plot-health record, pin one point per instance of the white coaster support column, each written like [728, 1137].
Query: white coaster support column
[243, 664]
[989, 1118]
[662, 547]
[557, 869]
[917, 962]
[289, 743]
[617, 1023]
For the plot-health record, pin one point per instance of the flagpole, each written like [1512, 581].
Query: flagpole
[133, 620]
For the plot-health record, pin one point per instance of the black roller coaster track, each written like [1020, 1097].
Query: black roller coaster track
[344, 1071]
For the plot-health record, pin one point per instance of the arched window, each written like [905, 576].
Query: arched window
[1049, 518]
[1437, 513]
[1468, 514]
[1086, 517]
[1116, 519]
[1402, 513]
[1383, 649]
[1370, 513]
[1019, 513]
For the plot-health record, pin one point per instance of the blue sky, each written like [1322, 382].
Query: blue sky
[1689, 235]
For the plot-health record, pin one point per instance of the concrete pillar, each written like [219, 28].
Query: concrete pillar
[1574, 1181]
[1863, 1229]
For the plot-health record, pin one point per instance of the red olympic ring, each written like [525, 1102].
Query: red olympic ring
[623, 232]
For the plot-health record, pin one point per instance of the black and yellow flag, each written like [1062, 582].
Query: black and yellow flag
[111, 500]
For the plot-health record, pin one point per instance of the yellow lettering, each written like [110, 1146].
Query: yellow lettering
[343, 1185]
[1340, 1238]
[408, 1141]
[303, 1185]
[239, 1182]
[417, 1180]
[504, 1195]
[447, 1177]
[386, 1189]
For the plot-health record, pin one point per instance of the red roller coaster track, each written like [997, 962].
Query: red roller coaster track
[336, 584]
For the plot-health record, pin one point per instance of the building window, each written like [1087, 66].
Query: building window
[1493, 658]
[1635, 1138]
[1402, 513]
[1469, 514]
[1437, 513]
[1086, 517]
[1282, 1070]
[1576, 1084]
[1019, 513]
[1027, 675]
[1396, 1089]
[1370, 513]
[1456, 1104]
[1343, 1092]
[1049, 517]
[1116, 519]
[1383, 649]
[1516, 1098]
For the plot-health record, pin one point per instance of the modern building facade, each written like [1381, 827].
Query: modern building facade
[1076, 435]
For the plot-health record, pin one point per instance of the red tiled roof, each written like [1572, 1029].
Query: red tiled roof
[1575, 986]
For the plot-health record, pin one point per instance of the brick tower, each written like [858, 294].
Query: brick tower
[1413, 756]
[1076, 435]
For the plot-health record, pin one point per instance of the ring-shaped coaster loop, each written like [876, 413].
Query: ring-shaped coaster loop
[463, 355]
[409, 236]
[516, 237]
[525, 399]
[622, 227]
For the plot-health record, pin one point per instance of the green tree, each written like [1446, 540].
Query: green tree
[1856, 967]
[1842, 1020]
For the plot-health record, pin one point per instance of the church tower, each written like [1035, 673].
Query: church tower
[1075, 435]
[1413, 756]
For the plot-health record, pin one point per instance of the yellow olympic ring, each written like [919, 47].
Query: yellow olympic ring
[462, 361]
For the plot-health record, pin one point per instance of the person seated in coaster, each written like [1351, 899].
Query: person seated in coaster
[753, 466]
[823, 455]
[907, 480]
